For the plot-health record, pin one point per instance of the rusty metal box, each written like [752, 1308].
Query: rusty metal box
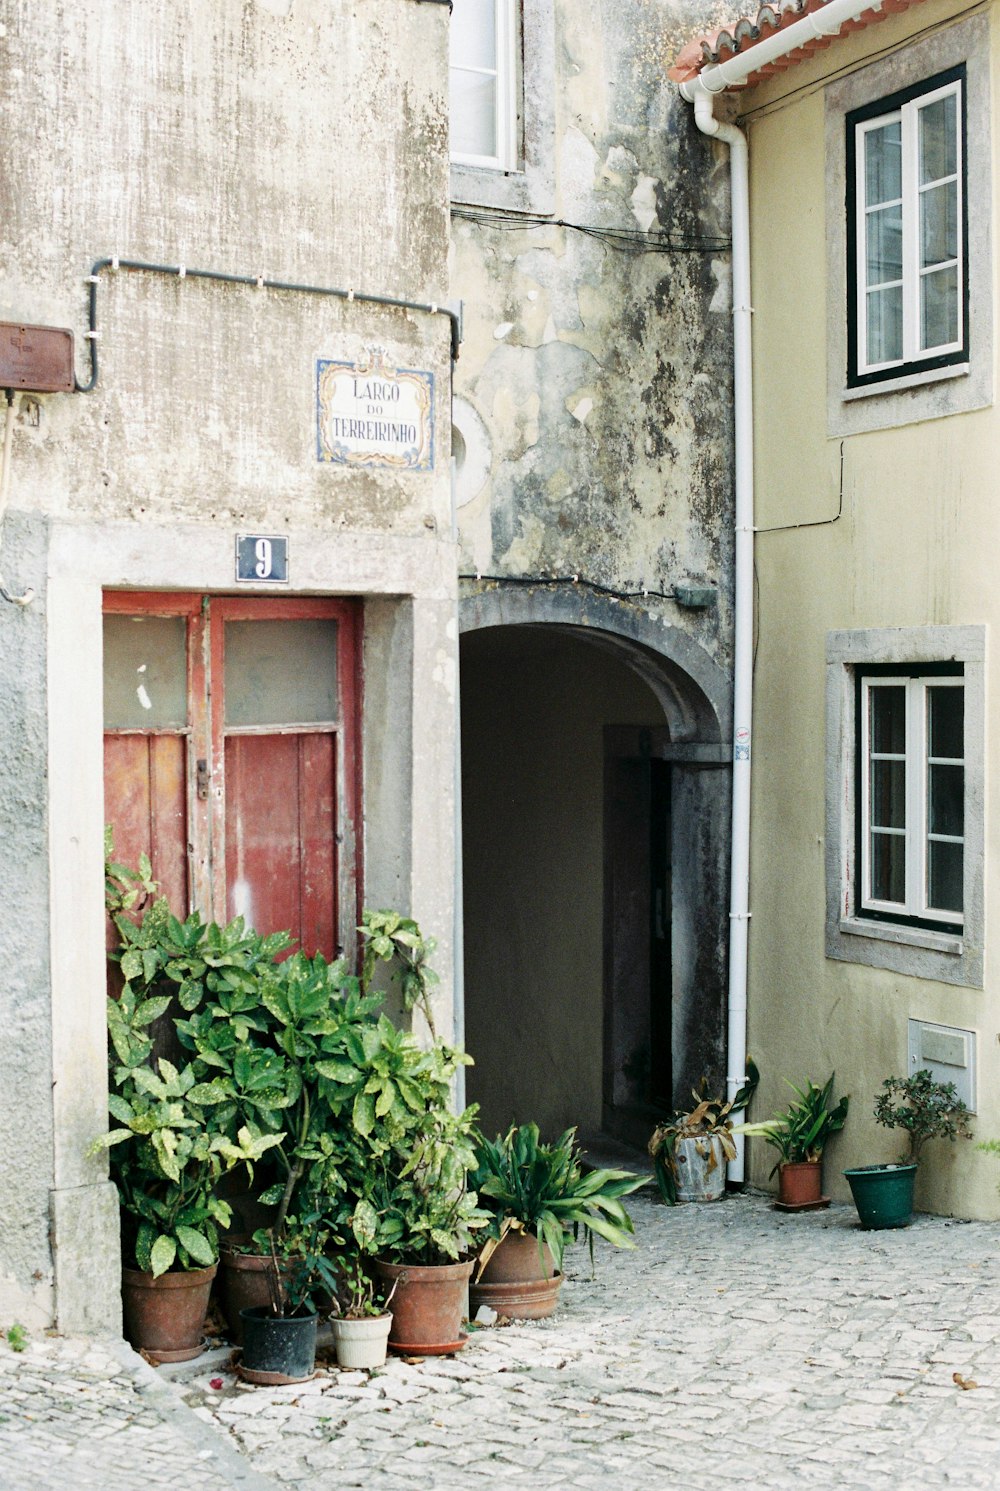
[38, 359]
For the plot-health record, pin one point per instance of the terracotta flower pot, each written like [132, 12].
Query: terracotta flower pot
[516, 1281]
[165, 1316]
[427, 1307]
[800, 1183]
[242, 1284]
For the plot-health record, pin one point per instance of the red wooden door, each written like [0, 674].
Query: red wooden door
[231, 756]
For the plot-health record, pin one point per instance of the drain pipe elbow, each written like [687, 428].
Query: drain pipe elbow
[703, 101]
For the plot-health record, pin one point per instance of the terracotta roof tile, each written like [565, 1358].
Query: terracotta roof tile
[776, 15]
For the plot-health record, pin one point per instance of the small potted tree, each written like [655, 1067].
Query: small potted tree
[539, 1197]
[800, 1135]
[924, 1109]
[690, 1149]
[279, 1338]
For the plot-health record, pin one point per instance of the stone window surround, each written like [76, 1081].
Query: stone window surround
[532, 188]
[921, 394]
[920, 952]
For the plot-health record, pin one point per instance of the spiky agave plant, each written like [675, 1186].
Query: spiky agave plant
[544, 1189]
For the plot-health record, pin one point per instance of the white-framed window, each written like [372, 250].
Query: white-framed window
[907, 232]
[484, 84]
[911, 754]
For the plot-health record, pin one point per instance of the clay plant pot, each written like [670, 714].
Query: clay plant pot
[277, 1349]
[883, 1195]
[164, 1317]
[701, 1168]
[427, 1307]
[517, 1281]
[242, 1284]
[800, 1184]
[361, 1344]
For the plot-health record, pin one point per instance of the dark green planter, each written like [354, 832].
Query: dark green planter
[883, 1194]
[277, 1349]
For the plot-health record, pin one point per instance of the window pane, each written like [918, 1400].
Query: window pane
[938, 139]
[944, 877]
[946, 799]
[888, 794]
[939, 224]
[888, 867]
[145, 672]
[473, 114]
[884, 248]
[885, 325]
[938, 308]
[281, 672]
[883, 164]
[473, 33]
[946, 722]
[888, 719]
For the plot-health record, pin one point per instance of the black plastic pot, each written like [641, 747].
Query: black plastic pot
[277, 1349]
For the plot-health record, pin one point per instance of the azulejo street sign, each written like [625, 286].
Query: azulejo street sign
[373, 415]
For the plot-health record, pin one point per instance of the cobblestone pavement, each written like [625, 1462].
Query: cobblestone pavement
[736, 1347]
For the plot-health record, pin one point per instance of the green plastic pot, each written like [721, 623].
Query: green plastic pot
[883, 1194]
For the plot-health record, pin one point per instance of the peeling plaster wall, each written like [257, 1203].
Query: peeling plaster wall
[301, 140]
[595, 381]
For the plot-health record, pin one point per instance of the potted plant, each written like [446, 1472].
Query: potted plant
[539, 1196]
[924, 1109]
[168, 1154]
[279, 1338]
[690, 1149]
[361, 1319]
[800, 1135]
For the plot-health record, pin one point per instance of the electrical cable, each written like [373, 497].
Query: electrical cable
[8, 437]
[255, 281]
[625, 240]
[621, 595]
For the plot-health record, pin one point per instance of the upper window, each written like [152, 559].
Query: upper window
[907, 232]
[484, 84]
[912, 792]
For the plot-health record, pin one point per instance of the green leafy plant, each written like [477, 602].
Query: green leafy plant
[17, 1337]
[358, 1296]
[801, 1133]
[710, 1118]
[302, 1278]
[924, 1109]
[390, 937]
[543, 1189]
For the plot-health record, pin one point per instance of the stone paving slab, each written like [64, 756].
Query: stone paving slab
[736, 1346]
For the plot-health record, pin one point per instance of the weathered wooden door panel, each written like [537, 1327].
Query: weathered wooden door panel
[281, 836]
[231, 756]
[145, 779]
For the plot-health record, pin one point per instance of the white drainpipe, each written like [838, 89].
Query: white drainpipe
[700, 92]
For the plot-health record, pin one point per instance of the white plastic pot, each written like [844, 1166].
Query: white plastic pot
[361, 1343]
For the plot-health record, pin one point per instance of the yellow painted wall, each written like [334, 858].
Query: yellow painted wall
[917, 544]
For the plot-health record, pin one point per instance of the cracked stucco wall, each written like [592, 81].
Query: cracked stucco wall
[594, 400]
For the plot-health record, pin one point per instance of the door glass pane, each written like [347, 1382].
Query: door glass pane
[473, 34]
[885, 325]
[946, 723]
[946, 799]
[888, 720]
[938, 139]
[145, 672]
[885, 245]
[939, 308]
[888, 794]
[883, 164]
[473, 113]
[944, 877]
[281, 672]
[938, 224]
[888, 867]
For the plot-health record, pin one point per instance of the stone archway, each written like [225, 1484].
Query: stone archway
[596, 814]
